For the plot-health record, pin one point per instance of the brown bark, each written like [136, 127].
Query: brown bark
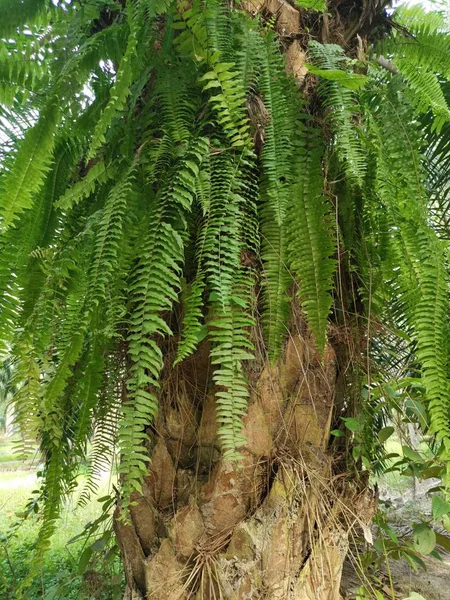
[274, 526]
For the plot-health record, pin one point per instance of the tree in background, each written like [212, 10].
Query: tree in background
[217, 220]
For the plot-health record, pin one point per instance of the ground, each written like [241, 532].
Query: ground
[406, 501]
[60, 571]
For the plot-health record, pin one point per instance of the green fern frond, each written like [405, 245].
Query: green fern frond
[425, 44]
[153, 8]
[27, 399]
[193, 330]
[16, 14]
[219, 28]
[105, 418]
[316, 5]
[226, 93]
[420, 51]
[342, 105]
[276, 191]
[22, 73]
[220, 246]
[229, 102]
[311, 237]
[229, 332]
[177, 115]
[400, 178]
[97, 175]
[121, 87]
[155, 287]
[34, 228]
[276, 280]
[427, 92]
[32, 163]
[108, 239]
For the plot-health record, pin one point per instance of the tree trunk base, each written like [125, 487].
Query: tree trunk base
[276, 525]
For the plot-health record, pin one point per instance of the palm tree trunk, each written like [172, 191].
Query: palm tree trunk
[274, 526]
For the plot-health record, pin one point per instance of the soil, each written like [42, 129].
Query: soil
[411, 505]
[432, 584]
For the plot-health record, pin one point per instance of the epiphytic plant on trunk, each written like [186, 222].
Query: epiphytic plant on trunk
[209, 213]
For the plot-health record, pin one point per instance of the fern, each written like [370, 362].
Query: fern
[316, 5]
[276, 191]
[96, 175]
[419, 56]
[35, 228]
[220, 253]
[193, 330]
[16, 14]
[154, 288]
[121, 87]
[311, 239]
[107, 242]
[27, 398]
[225, 91]
[158, 153]
[341, 103]
[422, 251]
[229, 328]
[30, 167]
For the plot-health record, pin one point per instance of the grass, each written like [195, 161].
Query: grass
[8, 450]
[58, 577]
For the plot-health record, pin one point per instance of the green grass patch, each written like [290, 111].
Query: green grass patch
[58, 577]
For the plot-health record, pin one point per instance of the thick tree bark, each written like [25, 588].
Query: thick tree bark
[275, 526]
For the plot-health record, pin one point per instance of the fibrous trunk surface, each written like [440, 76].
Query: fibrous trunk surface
[276, 525]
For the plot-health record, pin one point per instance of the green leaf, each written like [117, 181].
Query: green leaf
[356, 452]
[316, 5]
[412, 454]
[337, 432]
[424, 539]
[84, 560]
[446, 522]
[351, 81]
[100, 544]
[353, 424]
[439, 507]
[443, 541]
[385, 433]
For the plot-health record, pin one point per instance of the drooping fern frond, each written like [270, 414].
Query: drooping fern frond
[96, 175]
[311, 236]
[26, 177]
[401, 179]
[420, 51]
[121, 87]
[220, 251]
[226, 93]
[16, 14]
[341, 102]
[155, 286]
[27, 399]
[107, 241]
[276, 193]
[193, 329]
[229, 327]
